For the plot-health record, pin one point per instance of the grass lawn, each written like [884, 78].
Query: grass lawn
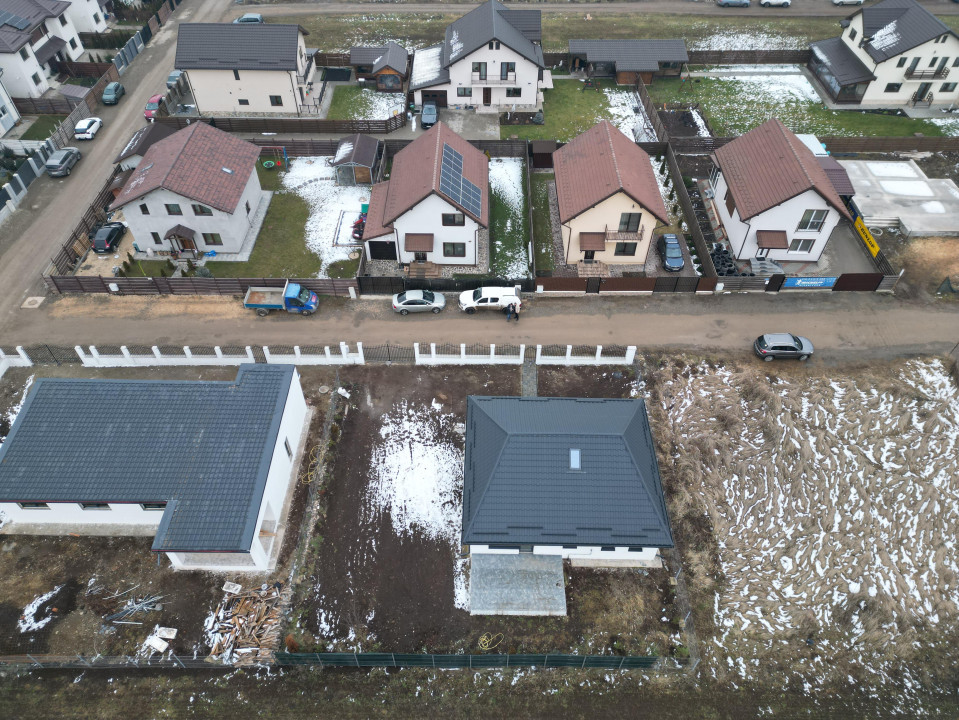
[734, 106]
[42, 127]
[351, 102]
[343, 268]
[148, 268]
[542, 226]
[269, 179]
[568, 110]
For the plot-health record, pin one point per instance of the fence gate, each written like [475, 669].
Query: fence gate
[687, 284]
[775, 282]
[380, 285]
[858, 281]
[593, 284]
[52, 355]
[388, 354]
[665, 283]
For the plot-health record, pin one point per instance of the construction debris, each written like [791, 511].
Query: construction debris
[232, 588]
[133, 606]
[245, 628]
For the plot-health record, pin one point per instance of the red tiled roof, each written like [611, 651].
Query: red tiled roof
[768, 166]
[194, 162]
[772, 239]
[598, 164]
[375, 227]
[418, 242]
[592, 241]
[416, 173]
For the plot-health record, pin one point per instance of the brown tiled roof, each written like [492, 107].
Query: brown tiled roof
[772, 239]
[375, 227]
[592, 241]
[418, 242]
[416, 173]
[598, 164]
[837, 175]
[768, 166]
[194, 162]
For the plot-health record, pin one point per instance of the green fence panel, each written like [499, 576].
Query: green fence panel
[604, 661]
[565, 660]
[488, 661]
[640, 662]
[374, 660]
[465, 661]
[527, 660]
[413, 660]
[452, 661]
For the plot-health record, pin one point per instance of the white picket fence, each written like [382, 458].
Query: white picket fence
[94, 358]
[345, 357]
[597, 359]
[432, 357]
[21, 359]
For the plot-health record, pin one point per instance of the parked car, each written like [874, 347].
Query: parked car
[671, 252]
[429, 115]
[782, 345]
[488, 297]
[249, 18]
[173, 78]
[779, 3]
[105, 238]
[62, 161]
[87, 128]
[847, 2]
[732, 3]
[112, 93]
[418, 301]
[152, 108]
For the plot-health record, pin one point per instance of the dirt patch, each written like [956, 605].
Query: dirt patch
[684, 123]
[587, 382]
[927, 261]
[695, 166]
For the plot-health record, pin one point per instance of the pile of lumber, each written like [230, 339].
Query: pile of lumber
[245, 628]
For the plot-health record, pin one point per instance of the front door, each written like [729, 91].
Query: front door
[923, 90]
[419, 257]
[589, 256]
[187, 244]
[487, 96]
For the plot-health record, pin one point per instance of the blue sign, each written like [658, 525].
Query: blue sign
[809, 282]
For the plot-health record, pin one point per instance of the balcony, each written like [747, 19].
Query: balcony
[921, 101]
[927, 74]
[481, 79]
[614, 236]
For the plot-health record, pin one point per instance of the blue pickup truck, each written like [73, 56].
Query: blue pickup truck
[292, 297]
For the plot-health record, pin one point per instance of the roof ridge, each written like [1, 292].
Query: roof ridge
[612, 153]
[795, 152]
[437, 156]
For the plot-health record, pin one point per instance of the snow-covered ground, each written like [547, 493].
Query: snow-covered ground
[507, 182]
[333, 208]
[368, 104]
[753, 40]
[664, 182]
[635, 126]
[15, 409]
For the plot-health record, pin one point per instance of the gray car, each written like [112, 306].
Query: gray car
[782, 345]
[670, 252]
[418, 301]
[732, 3]
[62, 161]
[430, 115]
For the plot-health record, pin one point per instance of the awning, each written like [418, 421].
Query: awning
[180, 231]
[592, 241]
[418, 242]
[772, 240]
[50, 48]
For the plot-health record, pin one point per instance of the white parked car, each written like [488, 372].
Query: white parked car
[772, 3]
[847, 2]
[86, 129]
[489, 297]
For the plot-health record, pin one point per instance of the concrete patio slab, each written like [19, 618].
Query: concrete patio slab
[521, 584]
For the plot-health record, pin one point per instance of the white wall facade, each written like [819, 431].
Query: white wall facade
[66, 30]
[785, 217]
[427, 217]
[232, 227]
[90, 522]
[9, 116]
[592, 553]
[18, 74]
[86, 15]
[606, 216]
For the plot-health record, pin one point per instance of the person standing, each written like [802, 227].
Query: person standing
[510, 309]
[516, 309]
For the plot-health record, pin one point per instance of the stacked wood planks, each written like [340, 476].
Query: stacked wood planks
[245, 628]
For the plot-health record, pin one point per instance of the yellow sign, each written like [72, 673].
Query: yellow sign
[866, 236]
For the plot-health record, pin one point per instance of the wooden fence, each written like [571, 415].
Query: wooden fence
[189, 285]
[82, 69]
[292, 124]
[77, 244]
[322, 59]
[650, 109]
[113, 40]
[890, 144]
[44, 106]
[749, 57]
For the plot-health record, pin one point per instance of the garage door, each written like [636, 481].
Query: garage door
[382, 250]
[438, 97]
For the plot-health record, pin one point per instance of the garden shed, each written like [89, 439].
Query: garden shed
[387, 66]
[357, 159]
[542, 151]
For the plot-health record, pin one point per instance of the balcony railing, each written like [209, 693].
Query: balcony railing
[490, 79]
[920, 101]
[927, 74]
[305, 77]
[624, 237]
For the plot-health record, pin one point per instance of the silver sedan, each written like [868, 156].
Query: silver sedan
[418, 301]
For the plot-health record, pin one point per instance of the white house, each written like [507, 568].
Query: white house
[9, 115]
[87, 15]
[435, 204]
[772, 196]
[32, 34]
[491, 59]
[892, 54]
[246, 68]
[194, 192]
[205, 467]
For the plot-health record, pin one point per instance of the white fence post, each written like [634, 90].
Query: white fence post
[188, 352]
[344, 352]
[463, 352]
[433, 352]
[218, 352]
[599, 352]
[630, 354]
[79, 351]
[266, 353]
[359, 352]
[156, 352]
[492, 351]
[296, 352]
[522, 354]
[96, 355]
[23, 354]
[329, 355]
[569, 354]
[539, 353]
[416, 353]
[249, 354]
[126, 353]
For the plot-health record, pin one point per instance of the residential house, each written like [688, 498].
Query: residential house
[9, 115]
[206, 467]
[357, 160]
[387, 66]
[892, 54]
[491, 59]
[141, 141]
[87, 15]
[34, 34]
[435, 205]
[565, 478]
[627, 60]
[195, 192]
[773, 197]
[609, 200]
[247, 68]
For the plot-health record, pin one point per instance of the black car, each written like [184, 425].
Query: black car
[105, 238]
[671, 252]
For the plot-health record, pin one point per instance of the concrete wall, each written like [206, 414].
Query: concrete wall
[86, 15]
[427, 217]
[461, 75]
[605, 216]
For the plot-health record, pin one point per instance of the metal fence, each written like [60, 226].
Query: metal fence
[55, 662]
[549, 660]
[188, 285]
[749, 57]
[291, 124]
[390, 285]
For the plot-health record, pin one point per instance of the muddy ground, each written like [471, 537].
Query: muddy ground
[680, 123]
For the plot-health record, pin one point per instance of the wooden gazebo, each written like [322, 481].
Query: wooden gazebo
[357, 159]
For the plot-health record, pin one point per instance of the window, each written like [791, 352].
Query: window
[629, 222]
[241, 101]
[812, 220]
[730, 203]
[96, 17]
[201, 210]
[153, 506]
[212, 239]
[497, 44]
[464, 92]
[893, 87]
[902, 62]
[932, 63]
[505, 69]
[33, 506]
[636, 549]
[3, 110]
[73, 43]
[947, 87]
[236, 74]
[625, 249]
[454, 250]
[95, 506]
[570, 547]
[157, 240]
[490, 44]
[276, 100]
[247, 207]
[173, 209]
[454, 219]
[955, 63]
[852, 33]
[63, 20]
[514, 92]
[144, 210]
[286, 446]
[802, 245]
[479, 68]
[35, 78]
[24, 53]
[607, 548]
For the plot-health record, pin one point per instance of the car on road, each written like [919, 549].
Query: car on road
[429, 115]
[105, 238]
[732, 3]
[62, 161]
[152, 108]
[413, 301]
[87, 128]
[112, 93]
[776, 3]
[173, 78]
[782, 345]
[484, 298]
[249, 18]
[847, 2]
[671, 252]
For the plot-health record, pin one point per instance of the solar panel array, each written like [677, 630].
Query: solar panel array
[457, 188]
[8, 18]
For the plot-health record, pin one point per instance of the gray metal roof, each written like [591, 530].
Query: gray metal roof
[357, 150]
[236, 46]
[895, 26]
[519, 488]
[204, 448]
[143, 139]
[842, 62]
[631, 55]
[493, 21]
[390, 55]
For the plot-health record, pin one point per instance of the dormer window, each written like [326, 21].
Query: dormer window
[852, 33]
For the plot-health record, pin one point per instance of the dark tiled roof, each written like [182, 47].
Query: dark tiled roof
[631, 55]
[842, 62]
[51, 47]
[194, 162]
[204, 448]
[895, 26]
[389, 56]
[519, 488]
[598, 164]
[357, 150]
[838, 177]
[493, 21]
[237, 46]
[768, 166]
[375, 225]
[143, 139]
[428, 69]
